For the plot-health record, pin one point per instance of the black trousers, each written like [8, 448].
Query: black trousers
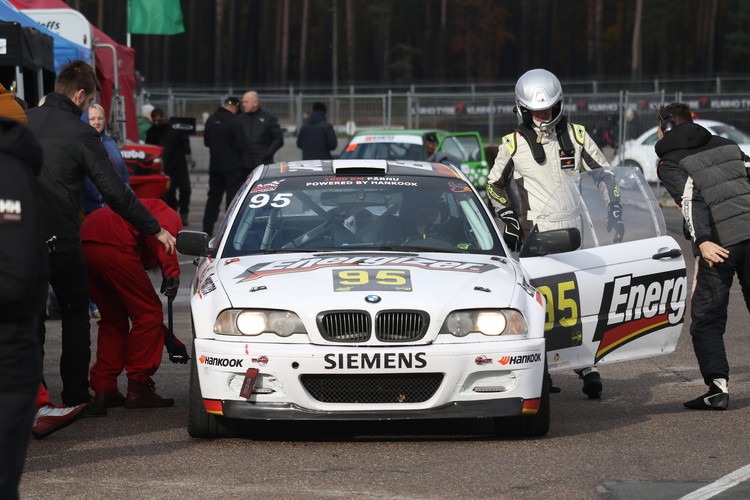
[20, 376]
[219, 184]
[69, 281]
[709, 308]
[16, 417]
[179, 180]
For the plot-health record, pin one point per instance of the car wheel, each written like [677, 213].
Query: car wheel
[202, 424]
[529, 425]
[632, 163]
[627, 181]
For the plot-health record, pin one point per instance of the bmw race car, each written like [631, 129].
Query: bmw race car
[374, 289]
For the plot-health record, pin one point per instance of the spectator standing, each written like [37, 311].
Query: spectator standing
[316, 137]
[23, 288]
[707, 177]
[225, 140]
[73, 150]
[131, 330]
[92, 198]
[144, 121]
[262, 132]
[176, 144]
[532, 165]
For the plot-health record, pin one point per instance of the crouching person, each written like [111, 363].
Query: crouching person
[117, 256]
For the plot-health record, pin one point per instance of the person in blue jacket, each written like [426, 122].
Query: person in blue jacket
[91, 198]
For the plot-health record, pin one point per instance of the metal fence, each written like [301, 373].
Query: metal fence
[490, 113]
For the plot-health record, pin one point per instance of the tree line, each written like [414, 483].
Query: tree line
[262, 43]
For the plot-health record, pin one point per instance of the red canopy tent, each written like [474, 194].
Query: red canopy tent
[105, 67]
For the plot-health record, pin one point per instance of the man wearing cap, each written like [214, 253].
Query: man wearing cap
[144, 121]
[72, 150]
[225, 139]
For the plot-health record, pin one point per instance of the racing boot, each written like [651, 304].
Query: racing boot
[592, 382]
[49, 419]
[553, 389]
[109, 399]
[142, 395]
[717, 397]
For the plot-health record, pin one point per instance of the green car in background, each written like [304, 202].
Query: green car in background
[421, 144]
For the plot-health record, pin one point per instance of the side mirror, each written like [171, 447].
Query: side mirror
[549, 242]
[192, 243]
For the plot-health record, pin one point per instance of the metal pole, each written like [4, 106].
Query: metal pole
[117, 107]
[408, 110]
[491, 121]
[19, 83]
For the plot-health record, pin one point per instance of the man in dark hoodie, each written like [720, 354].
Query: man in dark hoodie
[707, 177]
[72, 150]
[316, 136]
[225, 140]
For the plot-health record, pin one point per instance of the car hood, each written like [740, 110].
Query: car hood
[310, 283]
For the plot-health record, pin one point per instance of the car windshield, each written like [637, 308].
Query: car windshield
[731, 133]
[385, 147]
[407, 213]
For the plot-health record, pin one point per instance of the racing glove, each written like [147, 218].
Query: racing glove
[614, 221]
[169, 286]
[512, 233]
[178, 353]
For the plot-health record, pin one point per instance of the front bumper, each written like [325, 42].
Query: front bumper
[459, 409]
[475, 380]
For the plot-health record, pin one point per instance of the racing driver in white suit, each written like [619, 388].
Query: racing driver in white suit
[531, 168]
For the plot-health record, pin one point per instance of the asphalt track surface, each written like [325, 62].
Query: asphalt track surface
[636, 442]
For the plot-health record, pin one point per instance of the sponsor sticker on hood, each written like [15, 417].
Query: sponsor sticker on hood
[313, 263]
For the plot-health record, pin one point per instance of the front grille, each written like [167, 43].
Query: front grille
[401, 326]
[345, 326]
[373, 388]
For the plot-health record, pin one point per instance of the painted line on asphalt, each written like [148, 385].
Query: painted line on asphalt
[722, 484]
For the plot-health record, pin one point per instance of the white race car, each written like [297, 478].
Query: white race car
[374, 289]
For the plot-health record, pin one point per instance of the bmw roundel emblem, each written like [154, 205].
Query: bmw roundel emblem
[372, 299]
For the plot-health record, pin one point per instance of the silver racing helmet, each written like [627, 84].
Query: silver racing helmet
[539, 89]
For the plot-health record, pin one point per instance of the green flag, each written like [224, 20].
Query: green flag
[155, 17]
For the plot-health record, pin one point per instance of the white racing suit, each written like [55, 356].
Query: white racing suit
[518, 181]
[530, 177]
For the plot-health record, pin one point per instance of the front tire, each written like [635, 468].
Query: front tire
[202, 424]
[528, 425]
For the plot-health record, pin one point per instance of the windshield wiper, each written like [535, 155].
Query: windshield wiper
[410, 248]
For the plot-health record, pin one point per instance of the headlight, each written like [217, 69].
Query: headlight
[486, 321]
[255, 322]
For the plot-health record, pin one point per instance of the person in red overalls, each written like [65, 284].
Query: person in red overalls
[117, 256]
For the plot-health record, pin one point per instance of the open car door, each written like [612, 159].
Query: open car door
[606, 301]
[468, 149]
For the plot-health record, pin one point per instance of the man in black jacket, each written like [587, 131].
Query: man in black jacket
[176, 144]
[72, 150]
[23, 290]
[262, 131]
[316, 136]
[707, 177]
[225, 139]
